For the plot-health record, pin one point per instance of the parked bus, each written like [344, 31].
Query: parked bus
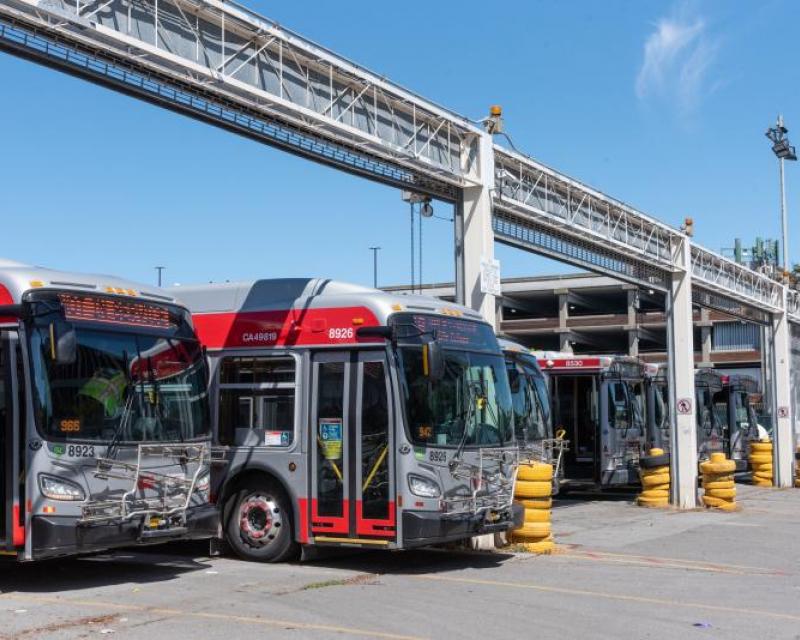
[730, 407]
[529, 393]
[726, 420]
[600, 402]
[657, 404]
[353, 417]
[104, 426]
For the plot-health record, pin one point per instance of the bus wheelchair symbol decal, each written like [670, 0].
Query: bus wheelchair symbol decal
[330, 439]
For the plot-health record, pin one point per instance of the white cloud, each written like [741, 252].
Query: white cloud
[678, 56]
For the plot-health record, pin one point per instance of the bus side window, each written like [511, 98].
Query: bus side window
[257, 401]
[618, 406]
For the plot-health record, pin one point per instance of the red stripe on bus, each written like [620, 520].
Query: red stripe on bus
[283, 328]
[6, 298]
[330, 524]
[302, 508]
[17, 529]
[371, 527]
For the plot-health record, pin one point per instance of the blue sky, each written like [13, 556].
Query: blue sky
[661, 104]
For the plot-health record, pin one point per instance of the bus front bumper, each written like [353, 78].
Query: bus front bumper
[422, 528]
[61, 535]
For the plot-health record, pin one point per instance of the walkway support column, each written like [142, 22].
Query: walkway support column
[680, 347]
[780, 361]
[474, 234]
[632, 326]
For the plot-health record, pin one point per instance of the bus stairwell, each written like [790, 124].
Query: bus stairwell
[162, 482]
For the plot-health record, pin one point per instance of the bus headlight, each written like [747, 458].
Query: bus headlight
[423, 487]
[60, 489]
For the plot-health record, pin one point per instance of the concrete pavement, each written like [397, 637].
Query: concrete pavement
[621, 572]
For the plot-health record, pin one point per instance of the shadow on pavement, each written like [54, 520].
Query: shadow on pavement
[575, 497]
[413, 562]
[135, 566]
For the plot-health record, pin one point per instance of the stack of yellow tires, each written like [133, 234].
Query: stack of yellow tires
[719, 489]
[534, 489]
[761, 462]
[654, 475]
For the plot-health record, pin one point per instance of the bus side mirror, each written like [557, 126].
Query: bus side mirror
[387, 333]
[63, 342]
[432, 360]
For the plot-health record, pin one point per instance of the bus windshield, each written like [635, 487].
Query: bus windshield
[528, 393]
[126, 382]
[470, 404]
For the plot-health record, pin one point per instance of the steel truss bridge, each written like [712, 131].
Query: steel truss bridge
[223, 64]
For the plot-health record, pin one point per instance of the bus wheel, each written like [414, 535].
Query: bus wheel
[259, 524]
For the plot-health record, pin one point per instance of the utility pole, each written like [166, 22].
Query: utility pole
[375, 266]
[160, 270]
[783, 151]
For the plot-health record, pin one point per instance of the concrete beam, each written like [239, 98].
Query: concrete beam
[633, 343]
[563, 310]
[475, 236]
[680, 347]
[783, 437]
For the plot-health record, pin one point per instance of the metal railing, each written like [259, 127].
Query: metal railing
[225, 65]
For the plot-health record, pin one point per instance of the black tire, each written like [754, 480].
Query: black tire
[650, 462]
[259, 523]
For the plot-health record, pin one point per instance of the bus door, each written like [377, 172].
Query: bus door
[710, 433]
[12, 525]
[576, 403]
[352, 449]
[743, 424]
[617, 427]
[658, 416]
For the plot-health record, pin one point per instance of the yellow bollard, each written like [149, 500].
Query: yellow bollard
[719, 488]
[761, 462]
[655, 479]
[534, 489]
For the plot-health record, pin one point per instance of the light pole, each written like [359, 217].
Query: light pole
[160, 270]
[783, 151]
[375, 266]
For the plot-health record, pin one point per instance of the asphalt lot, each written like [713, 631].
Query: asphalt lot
[620, 572]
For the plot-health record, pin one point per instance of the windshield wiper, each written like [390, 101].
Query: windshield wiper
[473, 391]
[127, 409]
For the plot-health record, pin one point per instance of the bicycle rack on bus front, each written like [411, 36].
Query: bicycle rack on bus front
[162, 486]
[491, 486]
[549, 451]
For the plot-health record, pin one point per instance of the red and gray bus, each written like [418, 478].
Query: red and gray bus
[104, 424]
[353, 417]
[726, 419]
[599, 401]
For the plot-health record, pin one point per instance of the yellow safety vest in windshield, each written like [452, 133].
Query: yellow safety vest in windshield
[108, 388]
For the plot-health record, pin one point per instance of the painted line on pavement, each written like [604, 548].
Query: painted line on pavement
[671, 563]
[202, 615]
[612, 596]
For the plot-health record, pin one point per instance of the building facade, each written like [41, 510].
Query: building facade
[586, 313]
